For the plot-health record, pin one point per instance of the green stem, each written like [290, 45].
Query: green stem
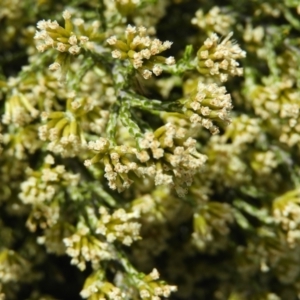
[127, 121]
[88, 63]
[271, 59]
[290, 18]
[101, 8]
[121, 76]
[126, 264]
[147, 104]
[104, 195]
[112, 123]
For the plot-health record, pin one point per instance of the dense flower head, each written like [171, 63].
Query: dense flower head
[175, 158]
[68, 40]
[64, 129]
[286, 211]
[208, 104]
[118, 226]
[219, 58]
[211, 218]
[243, 129]
[96, 287]
[41, 186]
[83, 247]
[279, 99]
[151, 288]
[63, 132]
[25, 96]
[141, 50]
[19, 110]
[214, 21]
[52, 35]
[225, 157]
[117, 162]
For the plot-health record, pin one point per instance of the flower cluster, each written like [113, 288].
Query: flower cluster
[243, 129]
[214, 21]
[64, 129]
[286, 211]
[52, 35]
[44, 215]
[151, 288]
[208, 103]
[53, 237]
[127, 7]
[67, 40]
[118, 226]
[224, 157]
[279, 99]
[176, 159]
[220, 58]
[264, 162]
[211, 218]
[19, 110]
[158, 205]
[83, 247]
[26, 95]
[253, 35]
[142, 51]
[95, 287]
[63, 132]
[42, 186]
[164, 155]
[12, 266]
[115, 160]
